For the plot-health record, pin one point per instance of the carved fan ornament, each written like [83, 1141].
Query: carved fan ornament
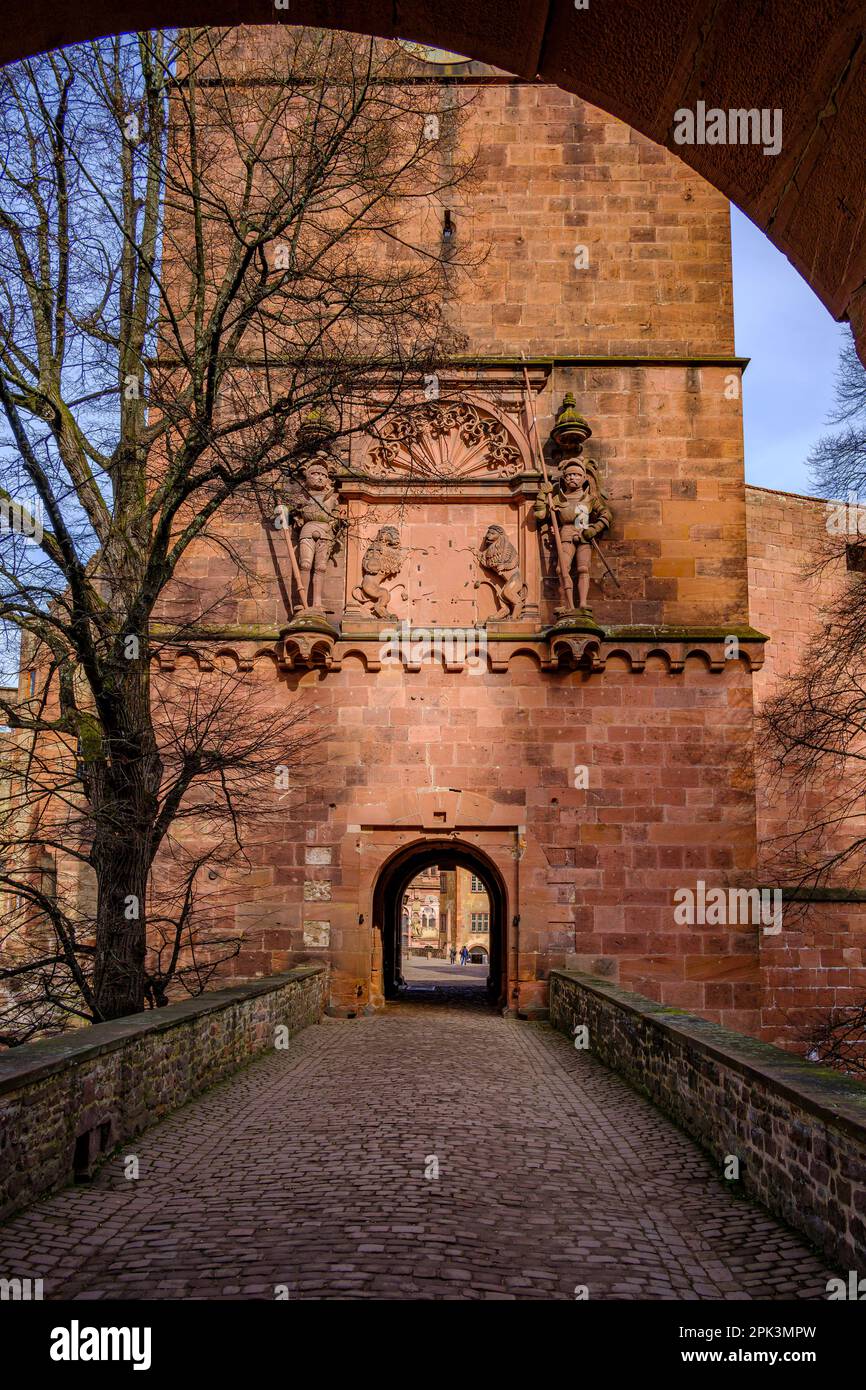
[451, 439]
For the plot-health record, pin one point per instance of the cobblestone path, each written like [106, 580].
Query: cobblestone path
[307, 1170]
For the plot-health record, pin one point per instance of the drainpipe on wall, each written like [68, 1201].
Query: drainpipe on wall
[514, 1008]
[513, 1003]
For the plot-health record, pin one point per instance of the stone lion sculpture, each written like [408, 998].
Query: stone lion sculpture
[383, 560]
[499, 556]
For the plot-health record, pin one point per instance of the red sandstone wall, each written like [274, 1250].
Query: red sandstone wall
[557, 174]
[785, 534]
[819, 960]
[593, 867]
[591, 872]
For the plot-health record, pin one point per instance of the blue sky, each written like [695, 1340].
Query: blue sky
[794, 345]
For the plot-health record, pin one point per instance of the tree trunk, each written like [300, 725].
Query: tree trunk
[122, 864]
[124, 804]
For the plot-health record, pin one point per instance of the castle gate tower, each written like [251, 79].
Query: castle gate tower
[529, 655]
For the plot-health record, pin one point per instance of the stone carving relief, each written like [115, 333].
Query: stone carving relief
[497, 555]
[458, 477]
[383, 559]
[574, 508]
[450, 439]
[316, 513]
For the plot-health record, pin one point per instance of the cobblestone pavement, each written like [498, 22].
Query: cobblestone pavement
[307, 1169]
[441, 973]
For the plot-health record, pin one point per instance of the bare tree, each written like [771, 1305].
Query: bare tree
[838, 461]
[839, 1040]
[203, 242]
[812, 729]
[223, 751]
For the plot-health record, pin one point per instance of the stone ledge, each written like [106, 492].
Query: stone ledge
[826, 1093]
[67, 1102]
[556, 647]
[34, 1061]
[798, 1130]
[656, 632]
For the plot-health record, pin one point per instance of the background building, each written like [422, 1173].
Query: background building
[445, 910]
[421, 922]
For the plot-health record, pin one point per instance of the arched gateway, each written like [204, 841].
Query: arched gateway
[392, 882]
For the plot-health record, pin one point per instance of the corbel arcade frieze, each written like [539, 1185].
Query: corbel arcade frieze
[379, 646]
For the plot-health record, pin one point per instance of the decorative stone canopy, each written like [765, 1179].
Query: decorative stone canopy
[571, 430]
[454, 438]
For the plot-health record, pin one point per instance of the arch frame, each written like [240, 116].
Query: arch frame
[395, 876]
[643, 65]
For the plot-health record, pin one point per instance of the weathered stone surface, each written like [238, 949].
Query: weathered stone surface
[95, 1087]
[796, 1128]
[314, 854]
[317, 891]
[317, 933]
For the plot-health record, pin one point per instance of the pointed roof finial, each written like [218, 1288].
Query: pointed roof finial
[314, 428]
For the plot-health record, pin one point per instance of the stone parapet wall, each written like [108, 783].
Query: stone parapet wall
[798, 1130]
[67, 1101]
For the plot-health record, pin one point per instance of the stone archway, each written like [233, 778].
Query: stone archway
[641, 63]
[392, 882]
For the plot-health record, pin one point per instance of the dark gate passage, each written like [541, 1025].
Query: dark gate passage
[392, 884]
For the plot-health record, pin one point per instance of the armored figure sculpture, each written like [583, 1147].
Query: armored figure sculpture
[383, 560]
[499, 556]
[575, 507]
[316, 514]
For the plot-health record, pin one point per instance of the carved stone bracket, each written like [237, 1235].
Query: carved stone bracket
[299, 649]
[575, 651]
